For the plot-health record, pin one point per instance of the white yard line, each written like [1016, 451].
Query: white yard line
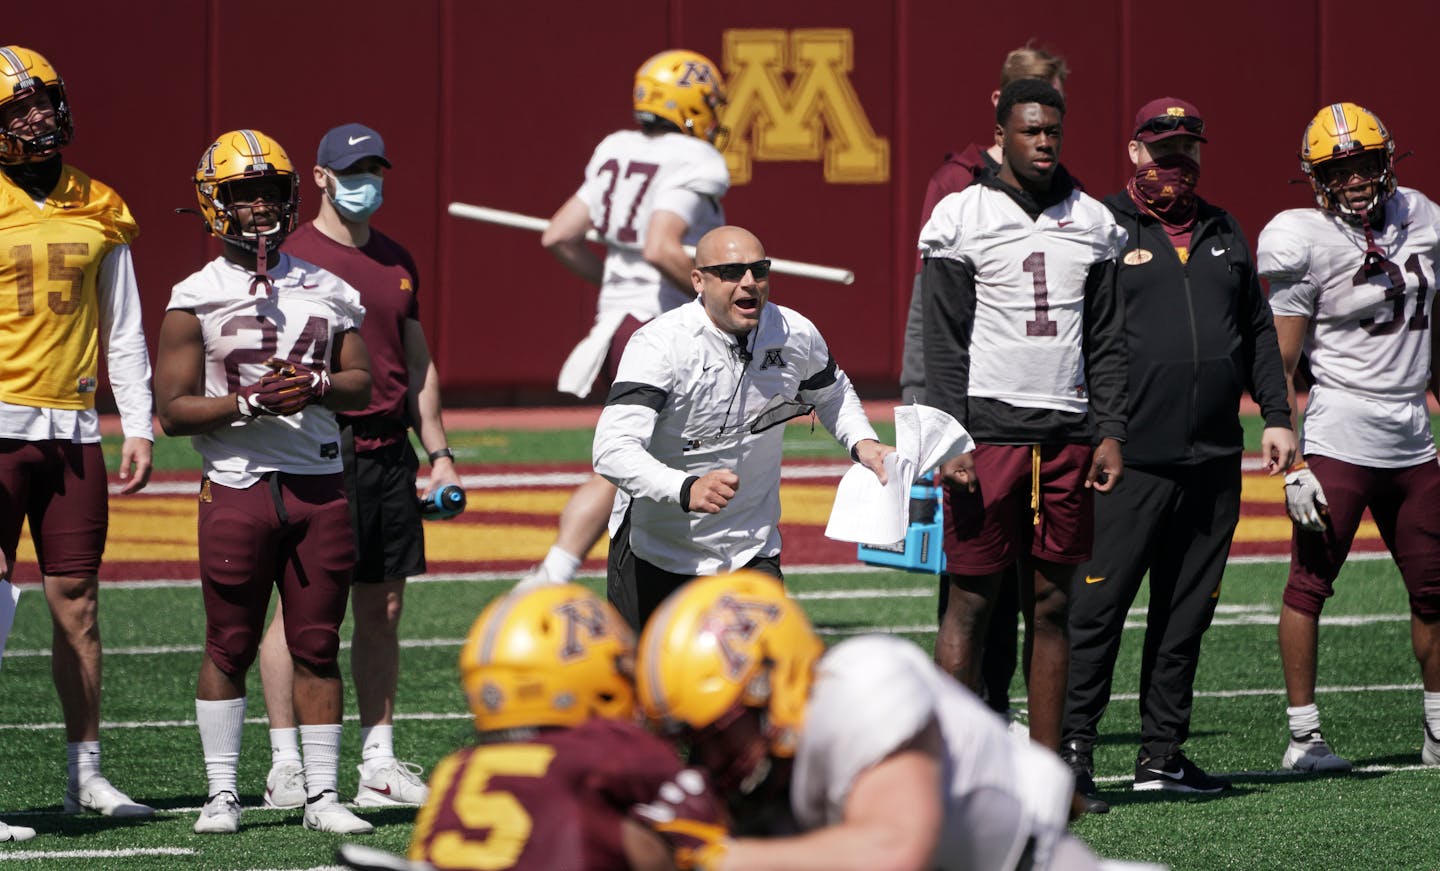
[31, 855]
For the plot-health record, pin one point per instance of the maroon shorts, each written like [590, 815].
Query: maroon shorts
[61, 487]
[1405, 504]
[287, 530]
[618, 342]
[989, 529]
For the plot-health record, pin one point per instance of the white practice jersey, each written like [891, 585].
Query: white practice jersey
[1369, 336]
[871, 696]
[684, 403]
[630, 177]
[1030, 275]
[296, 320]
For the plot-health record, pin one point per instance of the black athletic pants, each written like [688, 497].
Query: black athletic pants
[636, 588]
[1176, 522]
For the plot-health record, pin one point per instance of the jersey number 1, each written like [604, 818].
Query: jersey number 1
[1042, 325]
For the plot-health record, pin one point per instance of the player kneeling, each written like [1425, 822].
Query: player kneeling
[885, 760]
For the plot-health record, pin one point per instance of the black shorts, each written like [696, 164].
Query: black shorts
[385, 510]
[636, 588]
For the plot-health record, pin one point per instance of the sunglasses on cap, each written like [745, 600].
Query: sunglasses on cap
[736, 271]
[1170, 123]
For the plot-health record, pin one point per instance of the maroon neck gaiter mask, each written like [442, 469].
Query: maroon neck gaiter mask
[1165, 188]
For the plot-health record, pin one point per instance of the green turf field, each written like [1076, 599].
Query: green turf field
[1382, 816]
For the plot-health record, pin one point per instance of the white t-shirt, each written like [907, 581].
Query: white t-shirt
[1369, 336]
[631, 176]
[684, 401]
[871, 696]
[297, 319]
[1026, 346]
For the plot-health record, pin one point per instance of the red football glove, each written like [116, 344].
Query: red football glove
[688, 817]
[287, 388]
[274, 394]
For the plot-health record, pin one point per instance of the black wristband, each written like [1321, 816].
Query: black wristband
[443, 452]
[685, 492]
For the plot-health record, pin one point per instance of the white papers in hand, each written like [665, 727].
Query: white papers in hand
[868, 512]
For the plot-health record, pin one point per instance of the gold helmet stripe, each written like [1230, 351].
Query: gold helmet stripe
[257, 152]
[25, 79]
[1342, 126]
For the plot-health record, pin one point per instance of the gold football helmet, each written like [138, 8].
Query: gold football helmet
[22, 73]
[245, 156]
[727, 641]
[552, 656]
[682, 88]
[1343, 130]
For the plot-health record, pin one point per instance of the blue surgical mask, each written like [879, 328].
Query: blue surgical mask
[357, 196]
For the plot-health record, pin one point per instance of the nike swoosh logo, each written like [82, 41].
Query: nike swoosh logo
[1063, 223]
[356, 140]
[386, 790]
[1216, 252]
[1091, 579]
[1169, 775]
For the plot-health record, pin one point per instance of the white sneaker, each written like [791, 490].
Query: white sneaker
[285, 787]
[1313, 755]
[15, 833]
[325, 813]
[1430, 753]
[220, 815]
[393, 783]
[98, 795]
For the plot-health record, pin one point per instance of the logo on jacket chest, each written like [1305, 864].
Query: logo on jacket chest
[773, 359]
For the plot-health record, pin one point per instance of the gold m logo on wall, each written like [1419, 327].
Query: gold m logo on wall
[817, 116]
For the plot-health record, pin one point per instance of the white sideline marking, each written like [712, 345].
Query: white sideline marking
[434, 716]
[512, 480]
[25, 855]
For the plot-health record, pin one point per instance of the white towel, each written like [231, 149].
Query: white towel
[581, 368]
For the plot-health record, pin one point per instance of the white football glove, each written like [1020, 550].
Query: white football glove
[1305, 500]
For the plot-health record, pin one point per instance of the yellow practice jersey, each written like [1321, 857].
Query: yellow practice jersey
[50, 260]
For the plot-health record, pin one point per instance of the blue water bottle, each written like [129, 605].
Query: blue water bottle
[443, 504]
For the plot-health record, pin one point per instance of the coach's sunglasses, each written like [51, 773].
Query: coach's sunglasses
[736, 271]
[1169, 123]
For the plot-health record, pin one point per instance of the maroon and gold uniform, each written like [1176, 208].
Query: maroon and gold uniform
[554, 801]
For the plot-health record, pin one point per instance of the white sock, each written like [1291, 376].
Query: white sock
[284, 745]
[82, 761]
[377, 745]
[1432, 713]
[1303, 720]
[560, 565]
[221, 725]
[321, 745]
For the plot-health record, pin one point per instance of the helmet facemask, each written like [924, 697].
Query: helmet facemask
[1337, 180]
[23, 75]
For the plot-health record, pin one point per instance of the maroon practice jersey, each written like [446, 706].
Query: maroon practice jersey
[384, 273]
[554, 803]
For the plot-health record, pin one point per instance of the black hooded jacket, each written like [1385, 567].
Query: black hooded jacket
[1198, 333]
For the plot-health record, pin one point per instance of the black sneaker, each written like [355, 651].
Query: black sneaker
[1175, 773]
[1082, 765]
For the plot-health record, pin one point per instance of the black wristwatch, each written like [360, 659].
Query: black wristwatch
[443, 452]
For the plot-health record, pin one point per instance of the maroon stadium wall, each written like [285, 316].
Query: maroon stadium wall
[842, 110]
